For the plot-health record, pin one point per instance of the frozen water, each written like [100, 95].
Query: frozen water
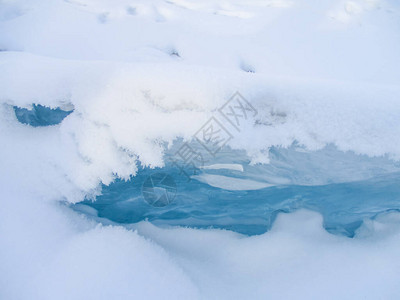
[40, 115]
[123, 83]
[247, 201]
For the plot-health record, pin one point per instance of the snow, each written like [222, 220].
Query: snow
[141, 74]
[236, 167]
[230, 183]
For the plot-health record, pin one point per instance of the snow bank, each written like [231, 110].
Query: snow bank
[130, 112]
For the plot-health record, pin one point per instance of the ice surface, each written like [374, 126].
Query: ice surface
[144, 76]
[247, 201]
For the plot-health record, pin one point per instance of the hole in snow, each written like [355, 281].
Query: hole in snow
[232, 194]
[41, 115]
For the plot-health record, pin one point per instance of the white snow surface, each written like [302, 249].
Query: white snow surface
[140, 74]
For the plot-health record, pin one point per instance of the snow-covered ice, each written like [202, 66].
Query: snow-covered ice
[129, 79]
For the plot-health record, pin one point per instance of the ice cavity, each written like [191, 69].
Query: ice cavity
[41, 115]
[346, 188]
